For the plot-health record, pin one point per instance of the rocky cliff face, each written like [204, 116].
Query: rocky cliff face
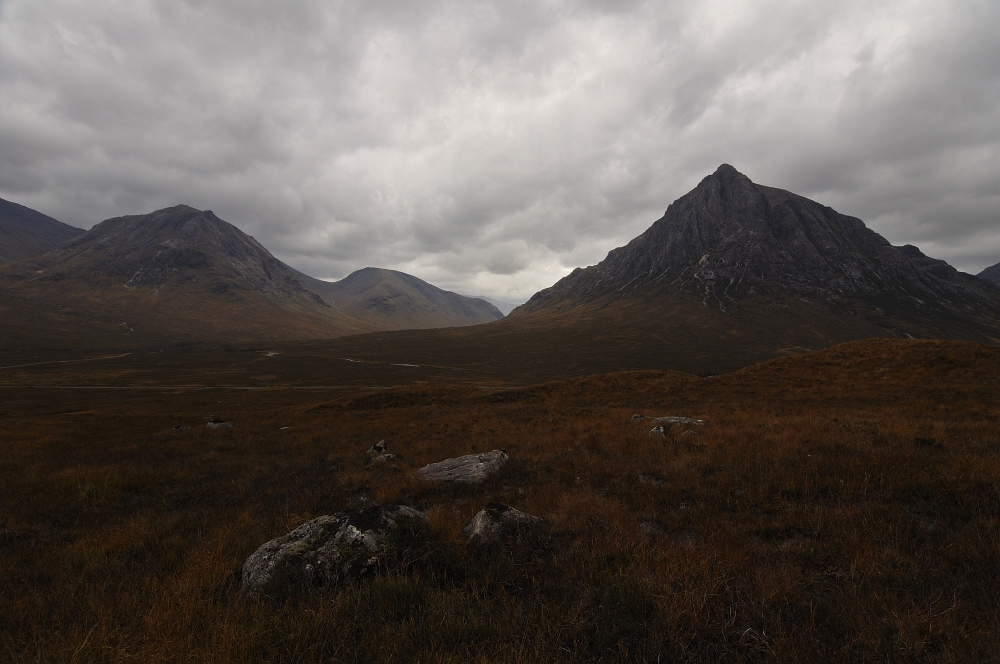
[730, 240]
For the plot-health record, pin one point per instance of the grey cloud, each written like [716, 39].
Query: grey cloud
[492, 147]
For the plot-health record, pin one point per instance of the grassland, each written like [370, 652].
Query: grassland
[841, 505]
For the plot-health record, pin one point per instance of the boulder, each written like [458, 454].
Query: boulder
[674, 419]
[469, 469]
[332, 550]
[378, 448]
[658, 431]
[498, 522]
[218, 424]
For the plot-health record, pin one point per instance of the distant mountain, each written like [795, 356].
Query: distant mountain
[25, 233]
[396, 301]
[174, 275]
[991, 273]
[184, 275]
[504, 307]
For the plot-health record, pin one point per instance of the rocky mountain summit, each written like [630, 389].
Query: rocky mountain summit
[730, 240]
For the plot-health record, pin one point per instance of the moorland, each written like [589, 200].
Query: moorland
[836, 505]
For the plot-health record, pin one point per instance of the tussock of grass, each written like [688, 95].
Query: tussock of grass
[837, 506]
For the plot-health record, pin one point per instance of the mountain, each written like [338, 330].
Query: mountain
[734, 273]
[992, 273]
[184, 275]
[174, 275]
[736, 245]
[504, 307]
[396, 301]
[25, 233]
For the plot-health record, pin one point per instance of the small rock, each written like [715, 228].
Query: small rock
[180, 429]
[689, 433]
[378, 448]
[218, 424]
[674, 419]
[658, 431]
[498, 522]
[638, 418]
[384, 458]
[332, 550]
[284, 428]
[469, 469]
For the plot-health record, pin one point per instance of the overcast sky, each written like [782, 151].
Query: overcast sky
[491, 147]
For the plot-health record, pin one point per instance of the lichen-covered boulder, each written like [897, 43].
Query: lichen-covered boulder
[498, 522]
[333, 550]
[468, 469]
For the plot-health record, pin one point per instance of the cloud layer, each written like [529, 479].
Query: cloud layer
[491, 147]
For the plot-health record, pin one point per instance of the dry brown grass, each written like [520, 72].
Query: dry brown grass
[838, 506]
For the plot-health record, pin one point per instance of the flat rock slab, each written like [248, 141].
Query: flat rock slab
[498, 522]
[218, 424]
[332, 550]
[469, 469]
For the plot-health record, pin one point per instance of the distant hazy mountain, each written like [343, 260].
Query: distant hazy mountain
[504, 307]
[991, 273]
[177, 274]
[25, 233]
[396, 301]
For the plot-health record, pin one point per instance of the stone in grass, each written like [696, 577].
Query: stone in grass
[333, 550]
[468, 469]
[658, 431]
[215, 423]
[498, 522]
[180, 429]
[676, 419]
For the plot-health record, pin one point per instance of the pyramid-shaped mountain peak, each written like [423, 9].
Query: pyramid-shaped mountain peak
[730, 242]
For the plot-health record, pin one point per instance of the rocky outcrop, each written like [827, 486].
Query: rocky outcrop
[332, 550]
[497, 522]
[469, 469]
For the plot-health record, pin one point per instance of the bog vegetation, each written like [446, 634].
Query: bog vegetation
[842, 505]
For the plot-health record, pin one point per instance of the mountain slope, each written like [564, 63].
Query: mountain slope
[992, 273]
[395, 301]
[25, 233]
[733, 244]
[175, 275]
